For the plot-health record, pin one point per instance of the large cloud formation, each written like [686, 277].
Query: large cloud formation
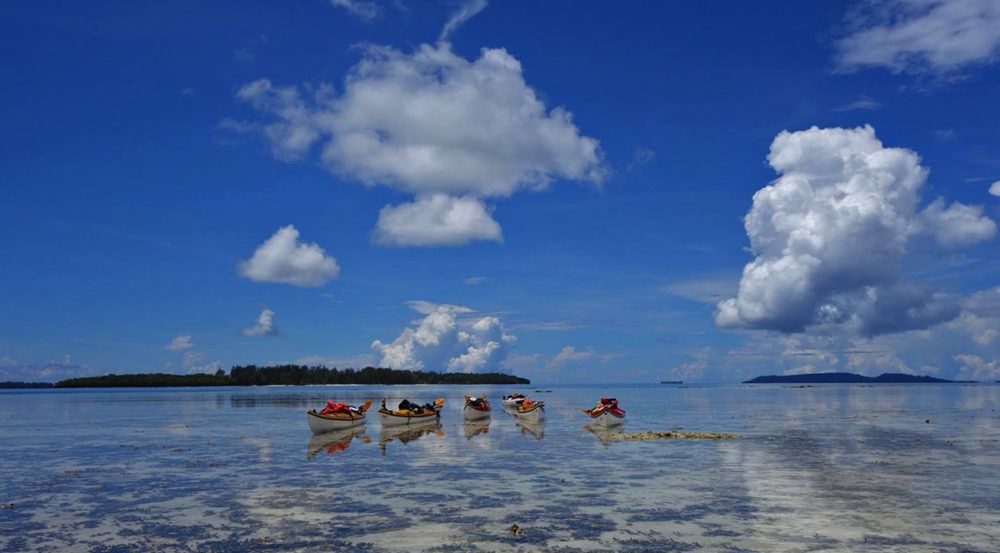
[447, 339]
[282, 258]
[450, 131]
[922, 36]
[829, 235]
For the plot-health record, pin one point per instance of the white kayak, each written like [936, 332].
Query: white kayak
[513, 400]
[409, 418]
[476, 409]
[606, 414]
[319, 424]
[349, 418]
[607, 419]
[534, 411]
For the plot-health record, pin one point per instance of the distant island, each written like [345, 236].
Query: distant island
[671, 382]
[851, 378]
[8, 385]
[293, 375]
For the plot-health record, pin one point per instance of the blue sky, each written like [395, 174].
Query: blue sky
[562, 190]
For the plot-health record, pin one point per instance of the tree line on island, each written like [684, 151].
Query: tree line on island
[851, 378]
[294, 375]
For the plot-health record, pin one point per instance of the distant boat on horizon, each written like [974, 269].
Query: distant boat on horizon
[671, 382]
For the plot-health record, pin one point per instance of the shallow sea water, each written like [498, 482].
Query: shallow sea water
[906, 468]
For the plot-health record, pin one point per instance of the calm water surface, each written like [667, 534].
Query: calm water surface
[825, 468]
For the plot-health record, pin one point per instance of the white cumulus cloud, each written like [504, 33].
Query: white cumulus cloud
[444, 341]
[264, 326]
[282, 258]
[981, 316]
[957, 224]
[438, 220]
[922, 36]
[180, 343]
[569, 354]
[974, 367]
[830, 233]
[448, 130]
[693, 369]
[995, 188]
[194, 362]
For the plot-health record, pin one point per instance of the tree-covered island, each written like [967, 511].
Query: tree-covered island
[294, 375]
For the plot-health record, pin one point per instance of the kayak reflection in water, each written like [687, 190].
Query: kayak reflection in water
[334, 442]
[603, 433]
[409, 433]
[475, 428]
[535, 428]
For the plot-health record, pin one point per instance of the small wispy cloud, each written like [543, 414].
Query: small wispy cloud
[464, 13]
[569, 354]
[180, 343]
[549, 326]
[640, 156]
[52, 371]
[426, 308]
[193, 362]
[704, 290]
[927, 37]
[333, 361]
[244, 55]
[862, 103]
[363, 10]
[264, 326]
[473, 280]
[693, 369]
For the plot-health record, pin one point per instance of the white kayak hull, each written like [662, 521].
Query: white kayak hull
[474, 414]
[319, 424]
[606, 420]
[535, 415]
[512, 402]
[389, 419]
